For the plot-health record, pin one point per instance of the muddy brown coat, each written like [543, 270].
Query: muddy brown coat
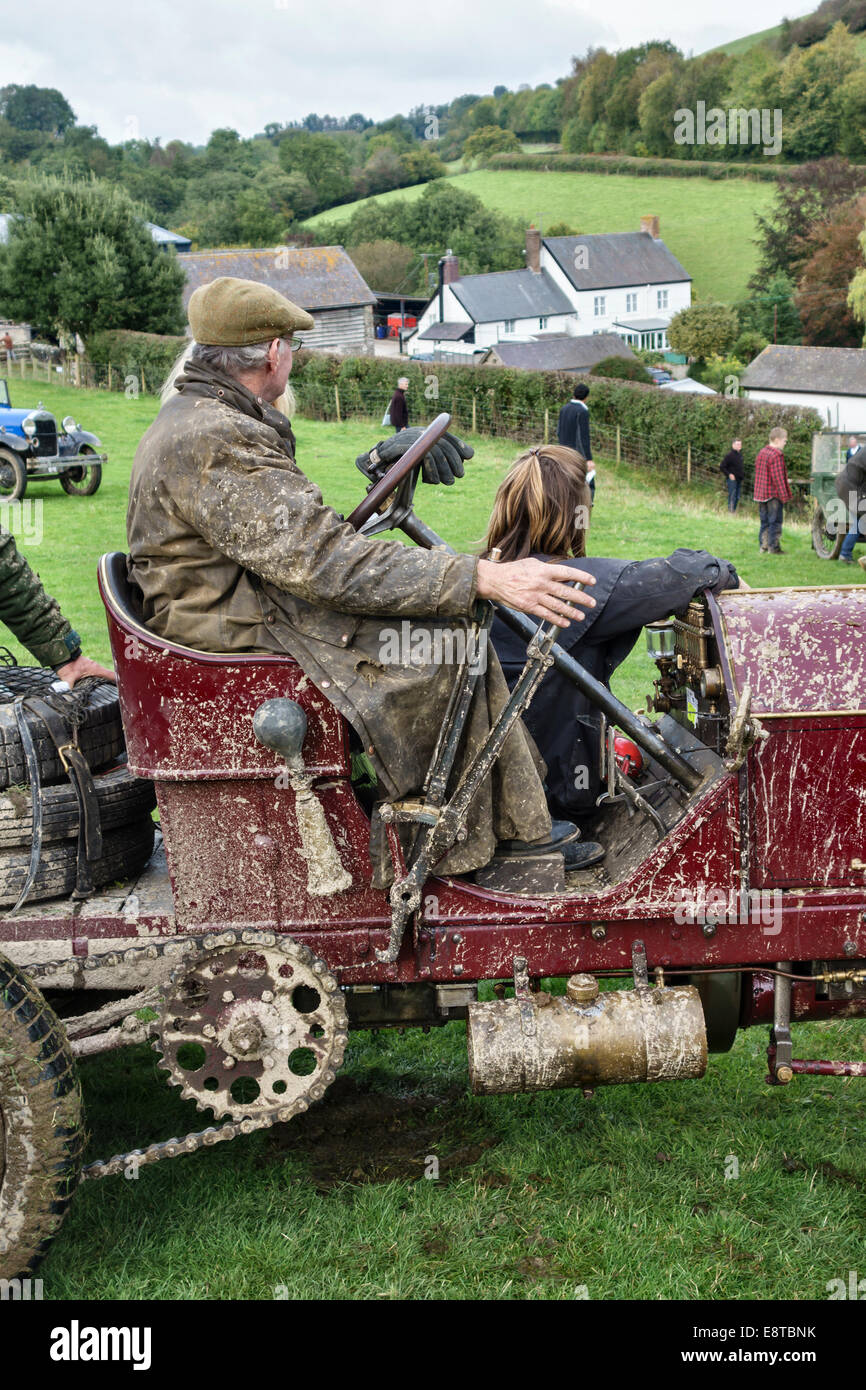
[235, 551]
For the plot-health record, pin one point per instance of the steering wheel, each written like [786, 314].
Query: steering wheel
[401, 480]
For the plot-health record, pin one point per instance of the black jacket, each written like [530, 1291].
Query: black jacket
[733, 463]
[628, 594]
[851, 479]
[572, 428]
[399, 410]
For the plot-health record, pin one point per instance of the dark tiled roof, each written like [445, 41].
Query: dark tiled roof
[615, 259]
[510, 294]
[315, 277]
[450, 332]
[831, 371]
[562, 354]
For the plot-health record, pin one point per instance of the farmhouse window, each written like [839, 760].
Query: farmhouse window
[661, 299]
[598, 305]
[631, 303]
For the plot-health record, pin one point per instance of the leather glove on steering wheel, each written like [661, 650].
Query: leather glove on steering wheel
[442, 464]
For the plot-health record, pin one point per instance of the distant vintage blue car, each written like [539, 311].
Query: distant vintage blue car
[31, 446]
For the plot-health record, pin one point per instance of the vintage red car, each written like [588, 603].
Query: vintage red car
[733, 891]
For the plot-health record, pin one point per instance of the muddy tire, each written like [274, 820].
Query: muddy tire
[826, 544]
[13, 476]
[41, 1134]
[83, 480]
[100, 734]
[125, 853]
[121, 799]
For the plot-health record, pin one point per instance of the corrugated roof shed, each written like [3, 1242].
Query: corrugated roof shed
[561, 354]
[510, 294]
[830, 371]
[163, 237]
[615, 259]
[315, 277]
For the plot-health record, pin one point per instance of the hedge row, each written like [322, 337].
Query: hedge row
[512, 403]
[147, 356]
[646, 166]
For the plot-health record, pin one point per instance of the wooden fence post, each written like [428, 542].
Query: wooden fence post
[109, 376]
[337, 403]
[474, 414]
[143, 383]
[689, 463]
[618, 453]
[546, 425]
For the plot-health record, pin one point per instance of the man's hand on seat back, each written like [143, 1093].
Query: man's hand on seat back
[442, 464]
[532, 586]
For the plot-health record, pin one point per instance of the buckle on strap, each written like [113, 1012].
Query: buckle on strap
[63, 749]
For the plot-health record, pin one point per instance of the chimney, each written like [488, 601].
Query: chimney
[651, 225]
[533, 249]
[450, 267]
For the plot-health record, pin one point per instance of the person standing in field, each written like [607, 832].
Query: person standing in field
[851, 489]
[732, 467]
[772, 490]
[399, 408]
[572, 431]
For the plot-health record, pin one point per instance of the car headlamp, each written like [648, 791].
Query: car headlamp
[68, 423]
[29, 426]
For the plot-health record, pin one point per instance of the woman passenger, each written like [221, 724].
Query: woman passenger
[542, 508]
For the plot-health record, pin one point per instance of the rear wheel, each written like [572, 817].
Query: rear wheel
[84, 479]
[826, 544]
[41, 1135]
[13, 476]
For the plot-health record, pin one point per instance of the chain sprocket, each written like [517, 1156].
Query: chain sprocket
[253, 1028]
[190, 949]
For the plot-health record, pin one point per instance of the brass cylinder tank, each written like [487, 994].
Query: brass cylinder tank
[541, 1042]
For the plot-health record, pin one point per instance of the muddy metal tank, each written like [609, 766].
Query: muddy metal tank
[801, 652]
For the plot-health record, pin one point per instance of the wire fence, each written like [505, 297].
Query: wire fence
[683, 465]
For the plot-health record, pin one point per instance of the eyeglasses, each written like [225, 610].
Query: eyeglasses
[295, 343]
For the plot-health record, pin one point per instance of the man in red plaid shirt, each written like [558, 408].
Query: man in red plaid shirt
[772, 490]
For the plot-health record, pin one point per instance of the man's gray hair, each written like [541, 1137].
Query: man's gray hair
[231, 361]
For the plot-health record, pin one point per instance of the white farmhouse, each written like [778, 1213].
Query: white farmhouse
[627, 283]
[830, 379]
[470, 313]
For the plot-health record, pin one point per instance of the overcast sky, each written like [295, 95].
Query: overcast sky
[174, 69]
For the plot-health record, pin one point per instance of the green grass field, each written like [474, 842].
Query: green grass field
[708, 225]
[748, 41]
[548, 1196]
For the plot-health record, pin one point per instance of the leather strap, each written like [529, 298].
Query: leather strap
[78, 772]
[32, 763]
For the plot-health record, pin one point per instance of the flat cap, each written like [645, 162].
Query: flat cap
[229, 312]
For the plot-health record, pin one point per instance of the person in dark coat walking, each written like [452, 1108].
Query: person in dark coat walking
[732, 467]
[398, 410]
[533, 514]
[572, 431]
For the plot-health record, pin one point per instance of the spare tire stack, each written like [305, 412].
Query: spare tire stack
[91, 713]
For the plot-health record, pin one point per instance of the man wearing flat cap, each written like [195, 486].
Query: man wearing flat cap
[234, 550]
